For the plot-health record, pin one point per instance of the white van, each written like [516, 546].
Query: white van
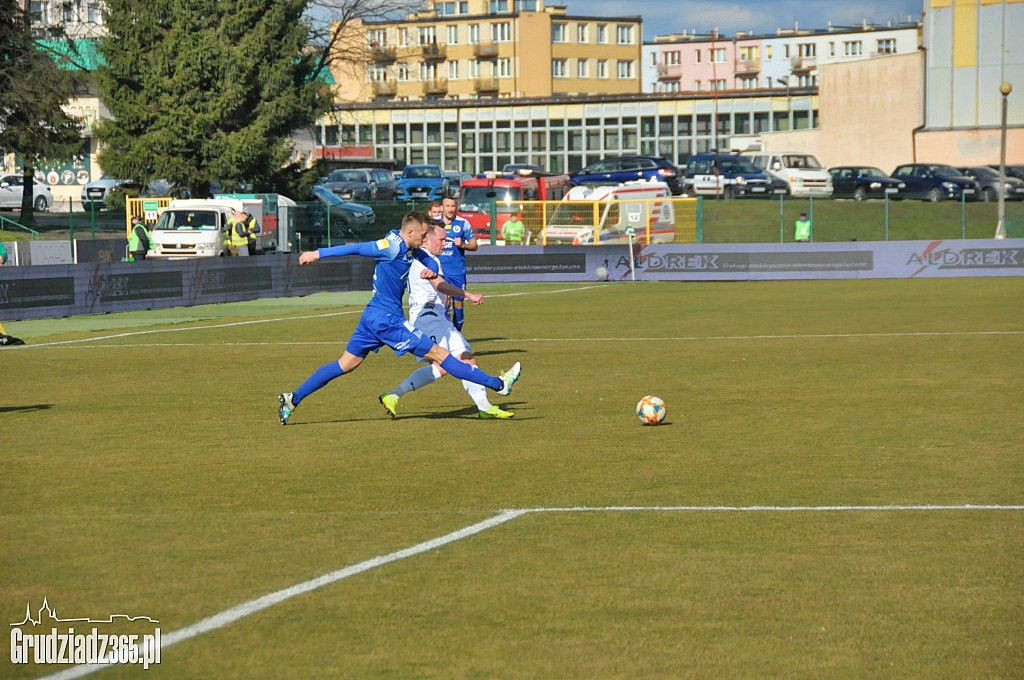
[592, 215]
[801, 172]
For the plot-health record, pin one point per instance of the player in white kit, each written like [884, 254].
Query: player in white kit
[427, 313]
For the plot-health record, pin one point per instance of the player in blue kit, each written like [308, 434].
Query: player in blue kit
[453, 258]
[383, 321]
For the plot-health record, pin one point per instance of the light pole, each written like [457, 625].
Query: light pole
[1005, 88]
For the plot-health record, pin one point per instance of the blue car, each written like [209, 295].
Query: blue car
[618, 169]
[422, 183]
[934, 182]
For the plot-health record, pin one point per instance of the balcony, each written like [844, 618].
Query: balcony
[748, 66]
[485, 50]
[670, 71]
[803, 64]
[438, 87]
[434, 52]
[383, 55]
[487, 85]
[385, 88]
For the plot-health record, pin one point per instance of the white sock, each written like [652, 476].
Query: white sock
[421, 377]
[478, 393]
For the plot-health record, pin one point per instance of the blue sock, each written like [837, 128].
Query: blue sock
[460, 318]
[464, 371]
[320, 377]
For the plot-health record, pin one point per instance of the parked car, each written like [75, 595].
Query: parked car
[1011, 170]
[725, 175]
[11, 189]
[988, 182]
[422, 182]
[619, 169]
[802, 173]
[361, 184]
[94, 193]
[344, 214]
[934, 182]
[455, 180]
[859, 182]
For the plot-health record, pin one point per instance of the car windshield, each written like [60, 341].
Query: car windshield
[946, 171]
[477, 199]
[872, 172]
[739, 167]
[347, 176]
[421, 172]
[801, 161]
[988, 173]
[187, 219]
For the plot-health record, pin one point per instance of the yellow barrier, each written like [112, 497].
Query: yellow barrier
[136, 207]
[660, 220]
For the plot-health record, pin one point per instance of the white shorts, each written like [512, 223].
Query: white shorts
[441, 331]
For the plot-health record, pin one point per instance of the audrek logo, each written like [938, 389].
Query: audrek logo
[58, 641]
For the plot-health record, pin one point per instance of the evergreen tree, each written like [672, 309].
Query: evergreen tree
[36, 80]
[203, 91]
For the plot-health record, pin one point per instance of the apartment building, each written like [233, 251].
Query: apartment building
[692, 62]
[473, 49]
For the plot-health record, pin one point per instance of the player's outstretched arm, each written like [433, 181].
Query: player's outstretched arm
[446, 288]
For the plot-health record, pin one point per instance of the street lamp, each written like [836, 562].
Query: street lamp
[1005, 88]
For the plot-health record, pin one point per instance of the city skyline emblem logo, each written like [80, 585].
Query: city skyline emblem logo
[60, 643]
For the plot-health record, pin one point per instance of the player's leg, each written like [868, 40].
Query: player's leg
[463, 371]
[458, 303]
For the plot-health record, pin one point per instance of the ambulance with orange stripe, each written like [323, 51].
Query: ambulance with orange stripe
[598, 215]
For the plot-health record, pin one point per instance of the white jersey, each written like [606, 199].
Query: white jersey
[422, 294]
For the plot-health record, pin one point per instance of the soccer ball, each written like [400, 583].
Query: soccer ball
[651, 410]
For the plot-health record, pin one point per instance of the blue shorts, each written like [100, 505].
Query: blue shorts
[377, 328]
[459, 281]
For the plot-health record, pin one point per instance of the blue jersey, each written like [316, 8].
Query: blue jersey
[391, 274]
[453, 259]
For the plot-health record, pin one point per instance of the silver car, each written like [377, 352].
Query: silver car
[11, 188]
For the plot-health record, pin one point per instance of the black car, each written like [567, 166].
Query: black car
[859, 182]
[988, 180]
[618, 169]
[361, 184]
[1011, 170]
[935, 182]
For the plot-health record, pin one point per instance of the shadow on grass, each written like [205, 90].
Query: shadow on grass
[29, 407]
[468, 412]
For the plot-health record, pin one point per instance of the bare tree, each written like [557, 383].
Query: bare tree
[337, 27]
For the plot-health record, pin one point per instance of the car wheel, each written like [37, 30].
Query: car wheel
[858, 194]
[729, 192]
[988, 194]
[934, 195]
[40, 204]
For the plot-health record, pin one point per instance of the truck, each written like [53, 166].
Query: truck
[507, 190]
[640, 211]
[802, 173]
[186, 228]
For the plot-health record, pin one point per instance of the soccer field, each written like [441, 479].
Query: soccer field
[838, 489]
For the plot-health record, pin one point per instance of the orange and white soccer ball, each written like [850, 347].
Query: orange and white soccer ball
[651, 410]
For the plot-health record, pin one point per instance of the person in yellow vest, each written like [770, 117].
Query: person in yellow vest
[512, 232]
[140, 241]
[802, 233]
[238, 234]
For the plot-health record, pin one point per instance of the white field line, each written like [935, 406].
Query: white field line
[359, 310]
[238, 612]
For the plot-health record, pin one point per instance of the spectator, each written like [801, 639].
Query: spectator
[139, 241]
[3, 254]
[513, 230]
[802, 233]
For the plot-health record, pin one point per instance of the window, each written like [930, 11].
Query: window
[624, 34]
[503, 68]
[428, 35]
[558, 33]
[453, 35]
[403, 72]
[499, 6]
[428, 71]
[94, 13]
[831, 49]
[716, 84]
[602, 34]
[453, 70]
[379, 37]
[526, 5]
[558, 68]
[403, 37]
[673, 58]
[887, 46]
[444, 9]
[852, 48]
[717, 55]
[696, 56]
[602, 68]
[670, 86]
[581, 33]
[500, 32]
[807, 49]
[625, 69]
[474, 33]
[767, 51]
[581, 68]
[748, 54]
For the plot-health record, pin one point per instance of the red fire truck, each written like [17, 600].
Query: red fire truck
[507, 191]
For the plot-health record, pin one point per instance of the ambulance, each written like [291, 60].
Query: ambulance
[639, 211]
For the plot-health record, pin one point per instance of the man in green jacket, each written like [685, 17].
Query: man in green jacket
[139, 240]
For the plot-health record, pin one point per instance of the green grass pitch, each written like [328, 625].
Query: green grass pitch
[146, 472]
